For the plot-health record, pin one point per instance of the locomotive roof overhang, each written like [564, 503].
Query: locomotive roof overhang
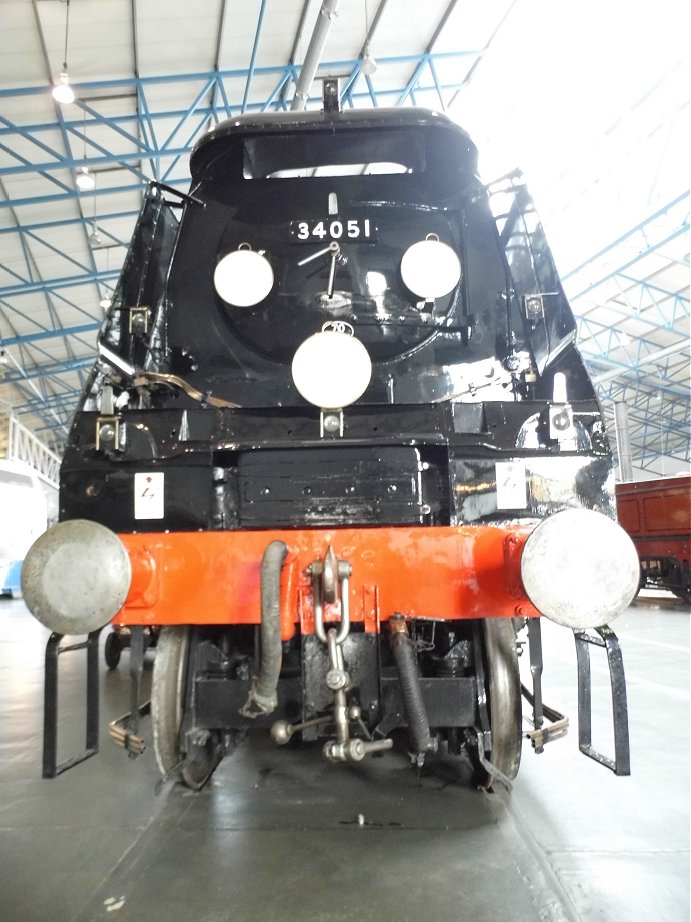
[297, 122]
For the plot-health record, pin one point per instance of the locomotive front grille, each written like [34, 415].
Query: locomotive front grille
[340, 486]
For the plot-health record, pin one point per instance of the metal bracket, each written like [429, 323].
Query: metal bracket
[50, 712]
[330, 423]
[558, 725]
[326, 575]
[121, 733]
[109, 433]
[621, 764]
[534, 308]
[535, 653]
[138, 320]
[561, 427]
[491, 769]
[331, 95]
[125, 730]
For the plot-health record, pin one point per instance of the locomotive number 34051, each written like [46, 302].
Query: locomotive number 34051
[353, 229]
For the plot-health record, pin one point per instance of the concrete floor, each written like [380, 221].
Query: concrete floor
[275, 836]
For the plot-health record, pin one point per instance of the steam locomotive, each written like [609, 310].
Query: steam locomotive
[339, 448]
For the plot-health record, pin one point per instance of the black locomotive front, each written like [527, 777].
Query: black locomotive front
[338, 446]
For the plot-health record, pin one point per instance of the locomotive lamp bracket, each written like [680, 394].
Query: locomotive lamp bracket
[330, 423]
[138, 321]
[110, 434]
[538, 305]
[331, 95]
[561, 427]
[560, 415]
[534, 307]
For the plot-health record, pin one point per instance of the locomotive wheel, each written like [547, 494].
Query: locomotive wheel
[113, 650]
[168, 686]
[504, 694]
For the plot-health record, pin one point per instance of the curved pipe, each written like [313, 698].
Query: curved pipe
[263, 698]
[418, 724]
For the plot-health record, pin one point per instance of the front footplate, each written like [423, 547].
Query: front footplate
[621, 764]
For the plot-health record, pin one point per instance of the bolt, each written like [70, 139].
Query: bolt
[355, 750]
[336, 679]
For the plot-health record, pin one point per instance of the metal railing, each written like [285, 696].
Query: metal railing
[24, 446]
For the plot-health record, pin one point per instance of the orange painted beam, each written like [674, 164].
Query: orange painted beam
[440, 572]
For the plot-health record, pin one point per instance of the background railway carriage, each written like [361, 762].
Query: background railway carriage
[657, 516]
[340, 445]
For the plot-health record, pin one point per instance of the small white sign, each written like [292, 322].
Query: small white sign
[148, 496]
[512, 490]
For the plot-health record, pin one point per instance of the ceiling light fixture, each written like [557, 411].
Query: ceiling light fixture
[107, 298]
[95, 239]
[369, 65]
[62, 91]
[86, 181]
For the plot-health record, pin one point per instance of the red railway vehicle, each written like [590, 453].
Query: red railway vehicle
[657, 516]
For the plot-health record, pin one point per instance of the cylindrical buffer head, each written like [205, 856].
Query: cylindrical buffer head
[76, 577]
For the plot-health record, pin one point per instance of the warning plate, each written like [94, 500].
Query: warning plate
[148, 496]
[511, 485]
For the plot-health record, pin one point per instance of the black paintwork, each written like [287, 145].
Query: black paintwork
[443, 466]
[202, 390]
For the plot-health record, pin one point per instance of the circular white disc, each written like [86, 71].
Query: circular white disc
[76, 576]
[243, 278]
[430, 269]
[580, 568]
[331, 369]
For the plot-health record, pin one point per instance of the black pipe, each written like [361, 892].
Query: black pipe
[263, 698]
[418, 724]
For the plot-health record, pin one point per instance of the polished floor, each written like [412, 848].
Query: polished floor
[281, 835]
